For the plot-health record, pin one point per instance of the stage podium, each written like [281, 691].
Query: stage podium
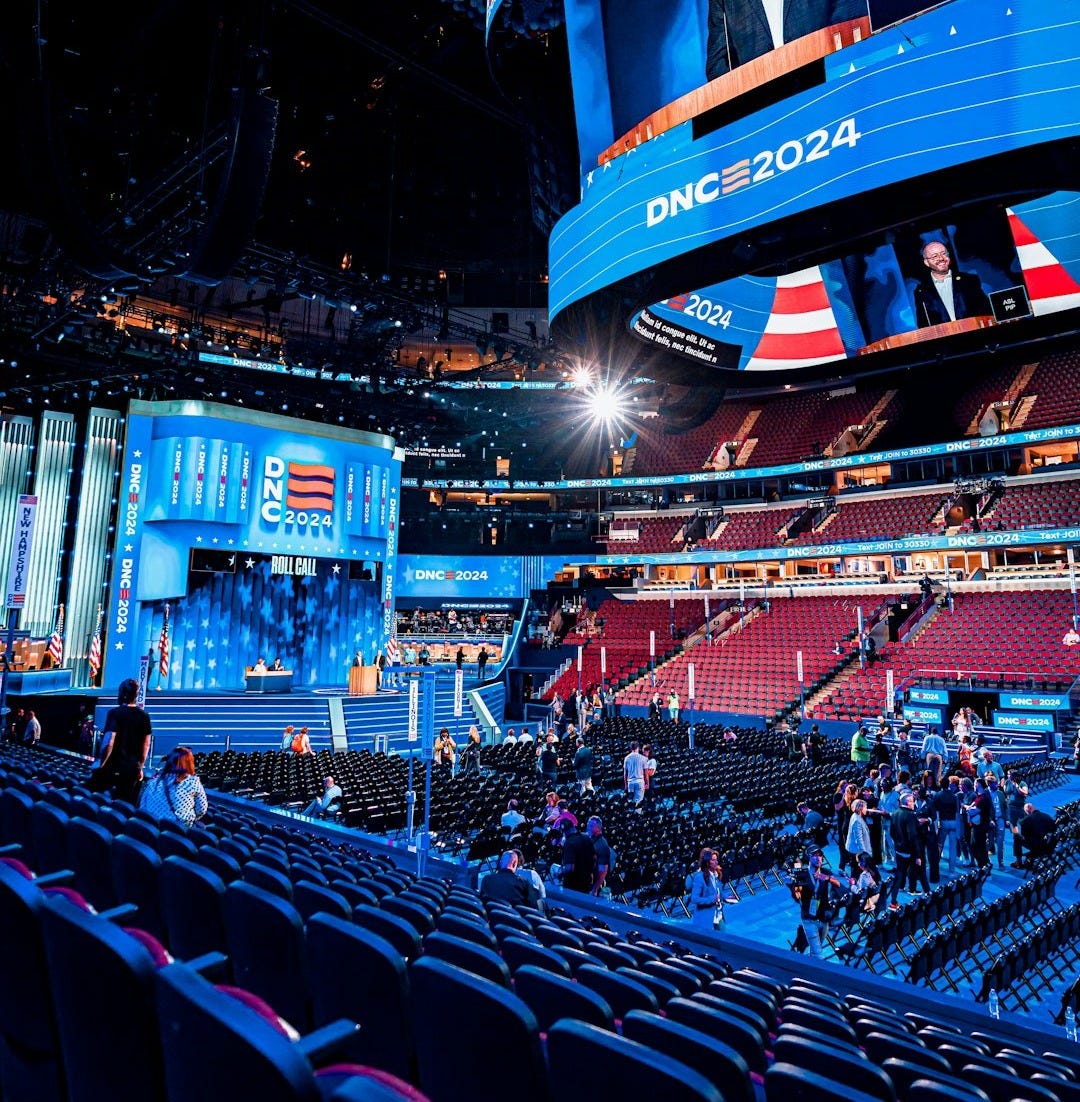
[363, 680]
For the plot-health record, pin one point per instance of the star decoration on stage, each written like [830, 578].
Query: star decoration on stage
[198, 539]
[248, 563]
[232, 558]
[137, 453]
[129, 547]
[337, 568]
[119, 645]
[205, 623]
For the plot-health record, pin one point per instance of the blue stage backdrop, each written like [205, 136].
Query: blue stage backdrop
[262, 536]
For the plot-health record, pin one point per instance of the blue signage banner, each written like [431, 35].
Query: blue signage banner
[1046, 702]
[462, 576]
[780, 470]
[1014, 73]
[928, 696]
[1024, 721]
[922, 714]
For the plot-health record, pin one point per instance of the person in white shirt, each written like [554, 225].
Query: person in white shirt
[512, 818]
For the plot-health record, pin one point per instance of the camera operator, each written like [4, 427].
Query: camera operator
[812, 887]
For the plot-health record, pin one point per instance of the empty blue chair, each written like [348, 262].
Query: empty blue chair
[90, 856]
[30, 1061]
[501, 1058]
[102, 982]
[265, 936]
[358, 975]
[221, 1044]
[135, 869]
[601, 1064]
[192, 902]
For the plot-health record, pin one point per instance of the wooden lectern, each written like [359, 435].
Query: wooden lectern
[363, 680]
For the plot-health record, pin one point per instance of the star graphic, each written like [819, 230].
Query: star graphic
[248, 563]
[215, 540]
[190, 644]
[205, 624]
[211, 664]
[137, 454]
[129, 547]
[198, 539]
[337, 568]
[232, 558]
[230, 541]
[119, 645]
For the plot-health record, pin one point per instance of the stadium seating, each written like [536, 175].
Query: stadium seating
[967, 640]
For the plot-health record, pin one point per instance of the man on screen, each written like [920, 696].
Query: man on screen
[740, 30]
[947, 295]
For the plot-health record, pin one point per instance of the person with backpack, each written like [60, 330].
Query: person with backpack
[301, 744]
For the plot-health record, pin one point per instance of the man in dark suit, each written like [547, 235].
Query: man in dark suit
[740, 30]
[947, 295]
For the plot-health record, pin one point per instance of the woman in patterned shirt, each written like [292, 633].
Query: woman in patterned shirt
[176, 793]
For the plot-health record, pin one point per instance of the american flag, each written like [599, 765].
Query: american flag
[163, 645]
[94, 657]
[392, 651]
[56, 640]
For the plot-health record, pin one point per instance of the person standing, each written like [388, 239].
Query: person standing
[583, 767]
[860, 749]
[634, 774]
[459, 658]
[32, 736]
[301, 743]
[578, 859]
[905, 836]
[858, 832]
[933, 751]
[673, 706]
[946, 802]
[481, 663]
[445, 749]
[602, 851]
[926, 817]
[815, 900]
[980, 816]
[705, 890]
[1016, 795]
[470, 754]
[126, 742]
[997, 831]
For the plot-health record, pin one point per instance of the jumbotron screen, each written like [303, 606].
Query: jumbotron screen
[779, 187]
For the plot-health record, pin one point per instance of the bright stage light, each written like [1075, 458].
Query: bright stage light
[582, 377]
[605, 403]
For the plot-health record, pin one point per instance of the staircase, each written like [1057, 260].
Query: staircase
[745, 451]
[1022, 411]
[1016, 387]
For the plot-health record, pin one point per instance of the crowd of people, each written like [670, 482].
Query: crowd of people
[900, 812]
[438, 622]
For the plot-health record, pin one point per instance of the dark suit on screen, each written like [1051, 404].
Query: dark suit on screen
[739, 29]
[969, 300]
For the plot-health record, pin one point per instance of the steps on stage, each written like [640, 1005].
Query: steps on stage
[206, 721]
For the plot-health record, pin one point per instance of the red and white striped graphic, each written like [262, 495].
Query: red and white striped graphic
[393, 653]
[801, 330]
[1050, 287]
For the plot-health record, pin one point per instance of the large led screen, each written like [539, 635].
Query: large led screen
[792, 231]
[261, 535]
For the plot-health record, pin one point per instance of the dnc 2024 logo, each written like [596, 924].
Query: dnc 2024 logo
[299, 495]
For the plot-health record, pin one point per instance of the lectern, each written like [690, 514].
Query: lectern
[363, 680]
